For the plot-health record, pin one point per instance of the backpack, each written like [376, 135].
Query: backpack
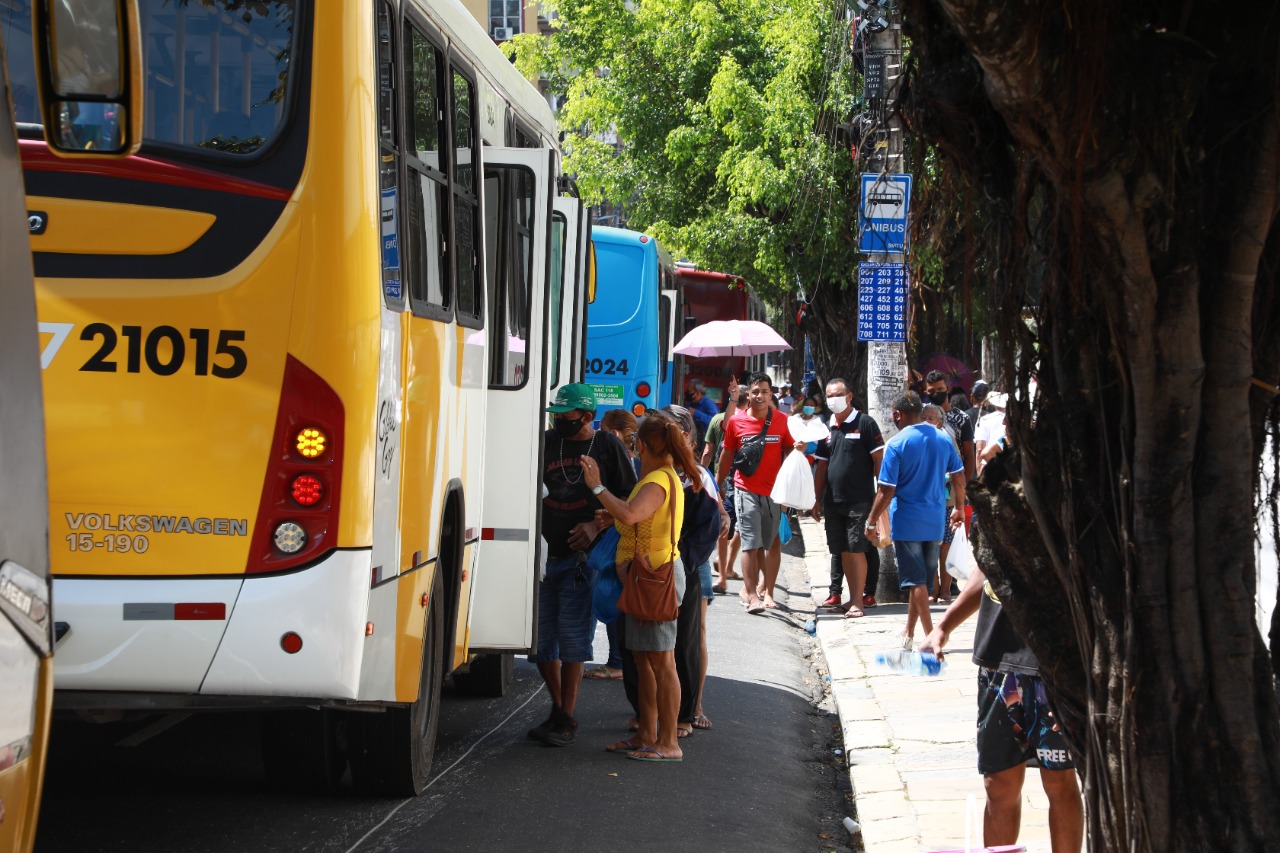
[701, 528]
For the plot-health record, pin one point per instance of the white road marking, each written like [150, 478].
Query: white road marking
[446, 771]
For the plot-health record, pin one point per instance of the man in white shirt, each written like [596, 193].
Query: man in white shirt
[990, 427]
[785, 400]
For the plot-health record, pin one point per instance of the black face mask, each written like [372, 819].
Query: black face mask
[567, 428]
[938, 398]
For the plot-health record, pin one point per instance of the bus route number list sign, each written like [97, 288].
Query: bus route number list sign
[882, 302]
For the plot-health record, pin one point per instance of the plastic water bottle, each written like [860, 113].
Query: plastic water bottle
[811, 627]
[910, 663]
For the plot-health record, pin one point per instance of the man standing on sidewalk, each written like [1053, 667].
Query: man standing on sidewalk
[565, 621]
[1015, 725]
[758, 515]
[845, 483]
[913, 477]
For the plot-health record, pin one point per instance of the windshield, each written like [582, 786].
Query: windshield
[217, 71]
[618, 288]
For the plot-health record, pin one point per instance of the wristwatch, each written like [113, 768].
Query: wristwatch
[598, 489]
[869, 526]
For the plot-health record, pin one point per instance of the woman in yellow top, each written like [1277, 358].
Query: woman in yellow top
[646, 520]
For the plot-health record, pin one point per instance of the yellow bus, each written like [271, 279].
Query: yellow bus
[296, 353]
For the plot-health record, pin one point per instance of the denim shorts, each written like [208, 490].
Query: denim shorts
[704, 572]
[566, 625]
[917, 563]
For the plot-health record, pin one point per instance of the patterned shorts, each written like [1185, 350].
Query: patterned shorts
[1014, 725]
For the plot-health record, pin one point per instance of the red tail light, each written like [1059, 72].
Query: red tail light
[305, 465]
[643, 389]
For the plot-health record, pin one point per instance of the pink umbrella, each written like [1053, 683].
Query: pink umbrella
[730, 337]
[959, 374]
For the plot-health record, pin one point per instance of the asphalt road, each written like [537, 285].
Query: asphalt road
[765, 777]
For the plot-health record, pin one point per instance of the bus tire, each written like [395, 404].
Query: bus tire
[489, 675]
[391, 752]
[304, 750]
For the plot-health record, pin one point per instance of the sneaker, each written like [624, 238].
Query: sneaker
[561, 731]
[868, 600]
[542, 728]
[833, 600]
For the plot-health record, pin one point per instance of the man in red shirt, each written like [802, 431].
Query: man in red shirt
[758, 515]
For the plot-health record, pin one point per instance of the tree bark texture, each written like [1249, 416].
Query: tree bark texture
[1127, 157]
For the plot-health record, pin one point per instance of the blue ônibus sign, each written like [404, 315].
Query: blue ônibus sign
[882, 302]
[882, 215]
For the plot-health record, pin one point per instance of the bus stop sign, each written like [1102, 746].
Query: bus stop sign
[882, 216]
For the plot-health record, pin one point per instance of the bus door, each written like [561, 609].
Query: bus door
[517, 214]
[670, 365]
[570, 235]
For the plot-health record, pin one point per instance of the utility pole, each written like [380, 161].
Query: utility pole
[882, 76]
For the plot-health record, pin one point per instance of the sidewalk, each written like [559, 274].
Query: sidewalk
[909, 740]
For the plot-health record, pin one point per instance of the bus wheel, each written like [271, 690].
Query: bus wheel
[304, 750]
[391, 752]
[488, 675]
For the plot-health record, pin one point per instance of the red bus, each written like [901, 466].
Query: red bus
[717, 296]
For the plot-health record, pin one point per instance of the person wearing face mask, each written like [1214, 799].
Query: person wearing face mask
[703, 409]
[566, 624]
[958, 425]
[845, 484]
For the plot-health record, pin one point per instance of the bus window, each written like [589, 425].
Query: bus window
[15, 27]
[427, 192]
[508, 235]
[466, 204]
[216, 79]
[617, 264]
[664, 334]
[555, 308]
[389, 166]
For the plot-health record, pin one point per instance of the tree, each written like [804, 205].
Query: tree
[1126, 158]
[727, 112]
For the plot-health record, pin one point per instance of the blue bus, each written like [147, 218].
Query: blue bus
[633, 323]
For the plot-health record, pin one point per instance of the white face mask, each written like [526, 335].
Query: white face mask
[837, 405]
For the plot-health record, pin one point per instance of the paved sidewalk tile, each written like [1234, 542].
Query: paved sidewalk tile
[909, 740]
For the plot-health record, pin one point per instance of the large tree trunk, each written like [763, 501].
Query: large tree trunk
[1132, 157]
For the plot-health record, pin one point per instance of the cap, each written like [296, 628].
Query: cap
[785, 385]
[999, 399]
[575, 395]
[980, 389]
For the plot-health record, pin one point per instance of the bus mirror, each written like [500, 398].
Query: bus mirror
[89, 64]
[591, 271]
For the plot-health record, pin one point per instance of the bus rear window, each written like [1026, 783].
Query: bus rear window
[619, 289]
[217, 71]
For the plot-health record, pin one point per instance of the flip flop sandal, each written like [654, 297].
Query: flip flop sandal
[853, 613]
[603, 673]
[624, 745]
[758, 607]
[684, 730]
[648, 753]
[701, 722]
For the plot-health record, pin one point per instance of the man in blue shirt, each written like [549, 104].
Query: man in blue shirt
[703, 409]
[913, 485]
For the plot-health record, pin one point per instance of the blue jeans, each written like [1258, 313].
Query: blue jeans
[917, 563]
[566, 625]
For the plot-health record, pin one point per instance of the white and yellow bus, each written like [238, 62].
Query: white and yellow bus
[296, 354]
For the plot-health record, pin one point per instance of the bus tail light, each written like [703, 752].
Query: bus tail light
[643, 389]
[291, 643]
[297, 518]
[638, 409]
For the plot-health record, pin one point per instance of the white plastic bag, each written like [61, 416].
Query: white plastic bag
[960, 560]
[814, 429]
[794, 485]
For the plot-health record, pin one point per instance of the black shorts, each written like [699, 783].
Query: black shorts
[1014, 726]
[846, 528]
[727, 501]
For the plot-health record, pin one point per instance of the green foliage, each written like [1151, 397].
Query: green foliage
[725, 112]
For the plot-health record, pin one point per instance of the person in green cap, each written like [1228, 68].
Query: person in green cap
[566, 625]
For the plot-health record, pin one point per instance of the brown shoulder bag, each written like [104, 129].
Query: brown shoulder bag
[649, 594]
